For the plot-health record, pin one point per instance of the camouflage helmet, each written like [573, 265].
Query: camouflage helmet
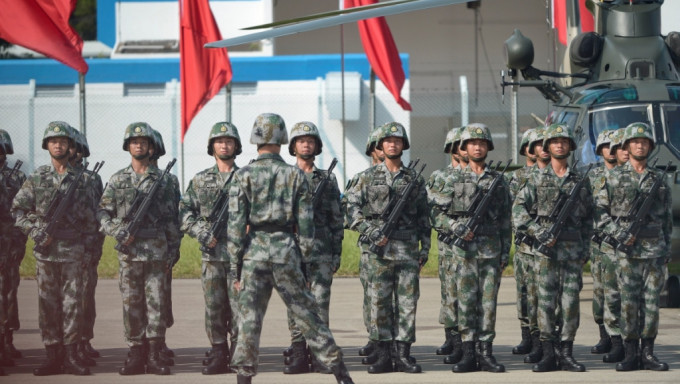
[450, 138]
[58, 129]
[604, 138]
[269, 128]
[536, 136]
[6, 143]
[158, 145]
[455, 140]
[555, 131]
[372, 140]
[616, 139]
[81, 143]
[304, 128]
[475, 131]
[224, 129]
[392, 129]
[524, 143]
[638, 131]
[138, 129]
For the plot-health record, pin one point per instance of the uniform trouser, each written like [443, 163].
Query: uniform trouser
[559, 284]
[258, 279]
[612, 293]
[321, 276]
[526, 289]
[395, 290]
[9, 308]
[218, 313]
[641, 281]
[597, 271]
[141, 286]
[59, 291]
[88, 308]
[477, 283]
[448, 312]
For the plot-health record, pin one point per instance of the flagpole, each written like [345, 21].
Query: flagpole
[81, 93]
[227, 93]
[342, 79]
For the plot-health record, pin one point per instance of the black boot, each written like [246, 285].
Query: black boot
[317, 366]
[469, 361]
[5, 353]
[486, 360]
[605, 343]
[372, 357]
[208, 357]
[298, 361]
[90, 351]
[616, 353]
[647, 358]
[536, 353]
[383, 362]
[83, 357]
[447, 347]
[288, 351]
[154, 364]
[457, 352]
[342, 374]
[547, 362]
[53, 364]
[134, 365]
[402, 363]
[394, 352]
[367, 349]
[630, 361]
[525, 345]
[10, 351]
[219, 362]
[240, 379]
[165, 351]
[567, 360]
[71, 362]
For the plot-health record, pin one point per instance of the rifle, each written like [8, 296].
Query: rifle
[15, 168]
[392, 212]
[562, 210]
[316, 197]
[58, 207]
[219, 215]
[140, 206]
[639, 210]
[482, 201]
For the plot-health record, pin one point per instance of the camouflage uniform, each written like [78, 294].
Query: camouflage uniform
[274, 199]
[396, 271]
[642, 271]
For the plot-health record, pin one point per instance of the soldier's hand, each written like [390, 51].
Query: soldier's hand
[129, 241]
[377, 237]
[207, 239]
[237, 285]
[546, 238]
[469, 236]
[631, 241]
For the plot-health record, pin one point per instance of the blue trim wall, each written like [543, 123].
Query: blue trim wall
[245, 69]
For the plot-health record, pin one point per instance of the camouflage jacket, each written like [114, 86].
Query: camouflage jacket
[32, 202]
[439, 199]
[614, 196]
[516, 180]
[369, 197]
[173, 247]
[198, 203]
[540, 194]
[8, 189]
[274, 199]
[158, 231]
[328, 219]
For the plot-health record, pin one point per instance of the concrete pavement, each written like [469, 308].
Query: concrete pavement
[187, 338]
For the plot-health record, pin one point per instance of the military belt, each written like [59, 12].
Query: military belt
[271, 228]
[523, 238]
[146, 234]
[569, 236]
[66, 234]
[597, 238]
[651, 232]
[402, 235]
[486, 230]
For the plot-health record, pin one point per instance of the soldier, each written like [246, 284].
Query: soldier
[557, 269]
[448, 309]
[642, 258]
[60, 256]
[273, 198]
[143, 258]
[622, 155]
[523, 260]
[305, 145]
[482, 253]
[13, 247]
[397, 269]
[206, 194]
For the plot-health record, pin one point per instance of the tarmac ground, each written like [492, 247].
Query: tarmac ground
[188, 340]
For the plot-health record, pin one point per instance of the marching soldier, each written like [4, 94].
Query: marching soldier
[199, 208]
[641, 257]
[60, 255]
[305, 145]
[274, 199]
[397, 269]
[143, 258]
[13, 247]
[558, 261]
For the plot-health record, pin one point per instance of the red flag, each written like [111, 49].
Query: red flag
[586, 22]
[382, 52]
[203, 72]
[42, 25]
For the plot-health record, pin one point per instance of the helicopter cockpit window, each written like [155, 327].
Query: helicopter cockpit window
[607, 94]
[671, 119]
[673, 92]
[612, 118]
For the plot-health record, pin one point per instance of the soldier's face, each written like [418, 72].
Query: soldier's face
[543, 156]
[607, 154]
[638, 148]
[477, 149]
[392, 147]
[530, 157]
[559, 147]
[305, 147]
[224, 148]
[463, 155]
[377, 155]
[621, 156]
[58, 147]
[139, 148]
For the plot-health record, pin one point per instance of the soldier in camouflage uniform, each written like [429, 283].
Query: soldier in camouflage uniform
[13, 247]
[60, 256]
[642, 266]
[622, 155]
[205, 197]
[482, 253]
[559, 268]
[143, 265]
[397, 269]
[305, 145]
[272, 199]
